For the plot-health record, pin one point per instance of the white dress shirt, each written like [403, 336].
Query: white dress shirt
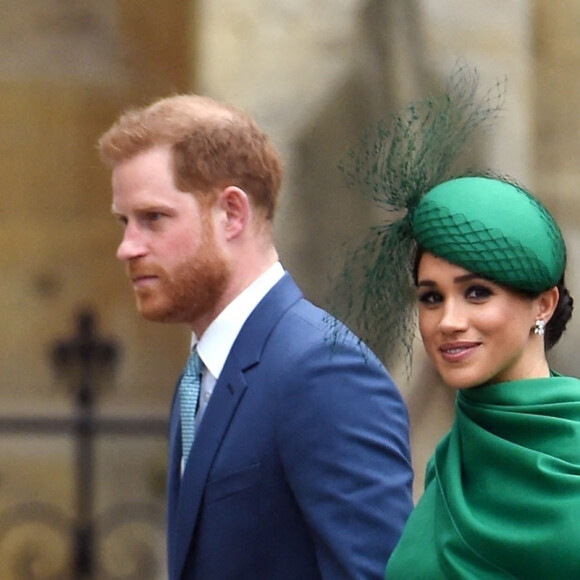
[216, 342]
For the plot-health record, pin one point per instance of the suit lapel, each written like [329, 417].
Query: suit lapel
[227, 394]
[225, 398]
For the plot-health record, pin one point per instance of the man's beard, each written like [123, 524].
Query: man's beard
[193, 289]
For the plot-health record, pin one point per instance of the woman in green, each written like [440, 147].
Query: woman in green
[502, 495]
[483, 262]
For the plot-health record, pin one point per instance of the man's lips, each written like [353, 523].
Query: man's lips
[140, 280]
[458, 351]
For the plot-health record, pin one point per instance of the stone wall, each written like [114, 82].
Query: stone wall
[555, 95]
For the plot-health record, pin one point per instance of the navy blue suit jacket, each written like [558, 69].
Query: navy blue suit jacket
[300, 469]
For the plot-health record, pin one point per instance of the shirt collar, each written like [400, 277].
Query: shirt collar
[216, 342]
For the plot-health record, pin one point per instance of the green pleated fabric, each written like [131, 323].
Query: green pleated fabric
[502, 495]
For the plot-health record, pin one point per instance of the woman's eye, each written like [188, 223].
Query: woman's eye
[430, 297]
[478, 292]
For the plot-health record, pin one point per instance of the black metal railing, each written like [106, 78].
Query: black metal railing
[73, 547]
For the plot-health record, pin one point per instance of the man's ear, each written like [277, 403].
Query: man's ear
[235, 207]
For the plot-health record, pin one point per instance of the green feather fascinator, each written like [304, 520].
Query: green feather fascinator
[395, 165]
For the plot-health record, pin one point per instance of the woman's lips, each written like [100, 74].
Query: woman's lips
[457, 351]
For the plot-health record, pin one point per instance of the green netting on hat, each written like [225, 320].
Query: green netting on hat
[492, 228]
[397, 162]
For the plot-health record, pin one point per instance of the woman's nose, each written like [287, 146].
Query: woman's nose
[453, 318]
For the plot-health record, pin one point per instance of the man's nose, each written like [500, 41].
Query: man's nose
[132, 245]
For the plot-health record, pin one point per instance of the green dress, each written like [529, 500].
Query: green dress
[502, 492]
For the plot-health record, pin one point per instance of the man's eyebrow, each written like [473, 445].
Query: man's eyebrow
[153, 208]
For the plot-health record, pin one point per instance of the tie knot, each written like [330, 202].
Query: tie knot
[193, 365]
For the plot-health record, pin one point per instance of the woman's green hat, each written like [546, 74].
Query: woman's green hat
[493, 228]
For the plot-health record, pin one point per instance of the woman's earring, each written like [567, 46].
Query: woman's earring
[540, 327]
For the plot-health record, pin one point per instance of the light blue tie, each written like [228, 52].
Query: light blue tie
[188, 396]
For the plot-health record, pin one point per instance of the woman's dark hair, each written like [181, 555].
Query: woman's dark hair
[562, 314]
[555, 327]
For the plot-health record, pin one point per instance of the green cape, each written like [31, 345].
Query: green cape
[502, 494]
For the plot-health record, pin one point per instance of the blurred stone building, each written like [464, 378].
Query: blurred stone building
[314, 74]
